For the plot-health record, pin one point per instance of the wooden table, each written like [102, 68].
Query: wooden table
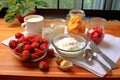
[12, 68]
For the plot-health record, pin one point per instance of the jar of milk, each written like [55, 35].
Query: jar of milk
[59, 25]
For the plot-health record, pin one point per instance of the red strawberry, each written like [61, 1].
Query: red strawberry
[25, 55]
[28, 47]
[18, 35]
[12, 44]
[43, 46]
[51, 52]
[34, 44]
[95, 35]
[43, 65]
[21, 39]
[58, 60]
[46, 41]
[26, 42]
[40, 52]
[18, 49]
[27, 38]
[37, 39]
[34, 56]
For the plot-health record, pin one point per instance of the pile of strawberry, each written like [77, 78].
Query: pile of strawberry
[30, 48]
[96, 34]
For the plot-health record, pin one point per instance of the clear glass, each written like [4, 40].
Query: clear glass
[96, 31]
[47, 31]
[76, 21]
[69, 53]
[59, 25]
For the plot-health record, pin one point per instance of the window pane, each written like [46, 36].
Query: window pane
[88, 4]
[66, 4]
[52, 4]
[116, 5]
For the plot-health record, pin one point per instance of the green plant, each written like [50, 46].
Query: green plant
[21, 7]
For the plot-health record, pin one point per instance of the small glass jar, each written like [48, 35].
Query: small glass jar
[96, 30]
[59, 25]
[76, 22]
[47, 31]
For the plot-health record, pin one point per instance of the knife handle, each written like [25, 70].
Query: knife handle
[108, 60]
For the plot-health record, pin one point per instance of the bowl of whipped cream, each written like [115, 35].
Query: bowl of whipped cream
[69, 45]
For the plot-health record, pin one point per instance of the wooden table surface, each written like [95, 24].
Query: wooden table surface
[12, 68]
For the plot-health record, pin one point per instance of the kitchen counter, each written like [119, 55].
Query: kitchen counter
[14, 69]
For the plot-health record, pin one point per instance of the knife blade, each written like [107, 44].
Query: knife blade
[107, 59]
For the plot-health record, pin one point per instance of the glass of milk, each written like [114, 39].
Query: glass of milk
[59, 25]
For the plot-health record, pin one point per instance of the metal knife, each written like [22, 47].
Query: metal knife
[107, 59]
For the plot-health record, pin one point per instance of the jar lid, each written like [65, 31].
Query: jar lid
[76, 11]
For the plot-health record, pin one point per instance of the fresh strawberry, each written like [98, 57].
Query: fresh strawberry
[18, 35]
[51, 52]
[37, 39]
[27, 38]
[21, 39]
[43, 65]
[26, 42]
[40, 52]
[34, 56]
[95, 35]
[18, 49]
[34, 44]
[25, 55]
[46, 41]
[12, 44]
[28, 47]
[43, 46]
[58, 60]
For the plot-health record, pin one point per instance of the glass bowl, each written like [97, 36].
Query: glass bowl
[29, 48]
[69, 45]
[19, 56]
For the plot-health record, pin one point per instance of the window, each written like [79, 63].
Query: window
[84, 4]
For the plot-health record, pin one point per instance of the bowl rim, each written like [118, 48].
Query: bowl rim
[67, 34]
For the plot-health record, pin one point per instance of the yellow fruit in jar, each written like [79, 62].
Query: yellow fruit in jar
[76, 25]
[64, 63]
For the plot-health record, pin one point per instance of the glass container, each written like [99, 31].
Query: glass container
[76, 21]
[96, 31]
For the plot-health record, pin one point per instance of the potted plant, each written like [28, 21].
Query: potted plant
[20, 8]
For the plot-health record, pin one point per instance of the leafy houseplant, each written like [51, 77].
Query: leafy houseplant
[20, 8]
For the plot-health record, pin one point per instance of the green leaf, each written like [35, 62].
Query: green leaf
[10, 19]
[24, 12]
[10, 14]
[41, 3]
[1, 7]
[12, 8]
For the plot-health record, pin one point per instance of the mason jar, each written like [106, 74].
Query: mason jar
[96, 31]
[76, 22]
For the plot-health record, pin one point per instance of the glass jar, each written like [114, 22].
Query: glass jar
[76, 21]
[96, 30]
[59, 25]
[47, 31]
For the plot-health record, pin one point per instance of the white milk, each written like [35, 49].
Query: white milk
[34, 19]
